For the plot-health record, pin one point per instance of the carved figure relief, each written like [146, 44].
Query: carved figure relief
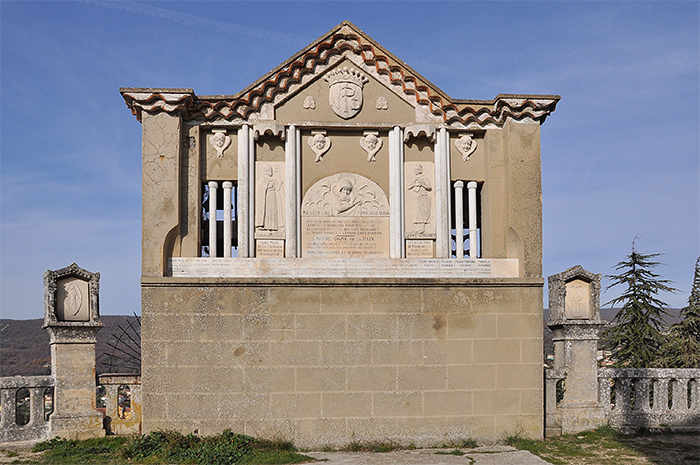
[382, 104]
[420, 222]
[72, 300]
[371, 144]
[220, 141]
[345, 194]
[309, 103]
[319, 143]
[345, 91]
[269, 199]
[577, 300]
[466, 146]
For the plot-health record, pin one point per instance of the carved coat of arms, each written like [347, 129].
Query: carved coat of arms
[345, 91]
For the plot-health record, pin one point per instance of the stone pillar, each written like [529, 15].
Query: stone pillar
[228, 185]
[243, 213]
[442, 195]
[459, 220]
[574, 317]
[473, 250]
[213, 185]
[71, 317]
[290, 181]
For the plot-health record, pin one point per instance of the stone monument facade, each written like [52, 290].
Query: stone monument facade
[72, 319]
[342, 252]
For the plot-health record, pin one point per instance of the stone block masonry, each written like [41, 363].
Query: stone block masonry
[324, 365]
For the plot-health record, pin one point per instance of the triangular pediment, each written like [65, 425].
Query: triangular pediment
[410, 97]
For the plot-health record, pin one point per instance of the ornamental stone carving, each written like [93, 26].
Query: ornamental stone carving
[466, 146]
[382, 104]
[371, 143]
[319, 143]
[220, 141]
[345, 194]
[345, 91]
[309, 103]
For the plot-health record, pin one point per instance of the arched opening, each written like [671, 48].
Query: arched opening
[22, 407]
[124, 402]
[48, 402]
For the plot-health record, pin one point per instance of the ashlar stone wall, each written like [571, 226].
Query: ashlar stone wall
[326, 363]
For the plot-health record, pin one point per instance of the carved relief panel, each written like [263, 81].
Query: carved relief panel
[269, 200]
[72, 300]
[577, 300]
[419, 193]
[345, 215]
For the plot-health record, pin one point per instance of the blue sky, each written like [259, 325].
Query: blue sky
[620, 155]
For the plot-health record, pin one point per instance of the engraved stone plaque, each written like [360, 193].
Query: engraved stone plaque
[577, 300]
[269, 200]
[420, 200]
[72, 300]
[345, 216]
[353, 237]
[419, 249]
[269, 248]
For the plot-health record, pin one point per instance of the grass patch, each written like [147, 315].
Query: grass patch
[372, 447]
[605, 446]
[456, 452]
[166, 447]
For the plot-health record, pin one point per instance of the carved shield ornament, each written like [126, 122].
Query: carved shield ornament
[345, 91]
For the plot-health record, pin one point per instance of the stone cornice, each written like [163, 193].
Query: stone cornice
[343, 41]
[158, 100]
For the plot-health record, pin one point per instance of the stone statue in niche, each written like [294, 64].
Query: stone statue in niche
[577, 300]
[345, 91]
[309, 103]
[382, 104]
[345, 194]
[72, 300]
[371, 144]
[269, 200]
[420, 186]
[419, 194]
[320, 144]
[466, 146]
[220, 141]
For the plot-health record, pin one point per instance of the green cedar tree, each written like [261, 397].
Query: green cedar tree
[635, 336]
[683, 347]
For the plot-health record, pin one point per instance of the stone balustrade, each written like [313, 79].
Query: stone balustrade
[122, 403]
[37, 428]
[634, 398]
[651, 397]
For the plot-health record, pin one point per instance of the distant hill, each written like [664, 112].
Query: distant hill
[24, 346]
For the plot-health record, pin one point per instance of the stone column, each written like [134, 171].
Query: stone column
[459, 220]
[290, 170]
[228, 185]
[473, 251]
[251, 193]
[213, 185]
[574, 317]
[396, 206]
[71, 317]
[243, 191]
[442, 195]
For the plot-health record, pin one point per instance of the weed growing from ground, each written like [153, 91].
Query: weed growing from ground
[165, 447]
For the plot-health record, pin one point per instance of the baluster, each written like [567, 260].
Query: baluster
[8, 407]
[604, 388]
[680, 395]
[622, 394]
[641, 394]
[661, 395]
[36, 406]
